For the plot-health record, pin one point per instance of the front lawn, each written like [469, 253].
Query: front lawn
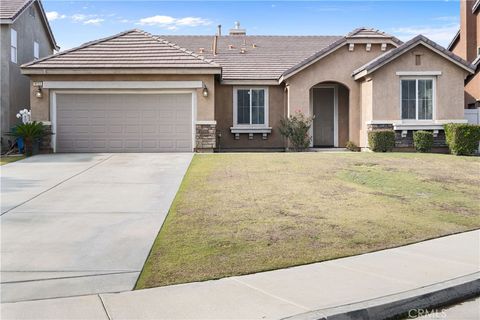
[242, 213]
[8, 159]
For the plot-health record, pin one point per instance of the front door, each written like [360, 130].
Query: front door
[324, 112]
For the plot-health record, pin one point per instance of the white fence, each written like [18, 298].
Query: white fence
[473, 116]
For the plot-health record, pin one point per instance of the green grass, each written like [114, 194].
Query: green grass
[9, 159]
[242, 213]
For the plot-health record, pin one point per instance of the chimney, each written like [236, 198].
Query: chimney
[467, 46]
[237, 31]
[219, 30]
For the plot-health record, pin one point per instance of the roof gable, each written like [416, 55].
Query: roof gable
[395, 53]
[129, 49]
[364, 34]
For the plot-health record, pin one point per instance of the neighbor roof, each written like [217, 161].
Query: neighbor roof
[264, 57]
[395, 53]
[10, 10]
[476, 6]
[134, 49]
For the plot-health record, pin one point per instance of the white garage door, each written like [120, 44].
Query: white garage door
[123, 122]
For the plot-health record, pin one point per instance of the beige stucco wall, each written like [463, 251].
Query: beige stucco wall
[224, 118]
[472, 90]
[449, 85]
[366, 91]
[205, 105]
[336, 67]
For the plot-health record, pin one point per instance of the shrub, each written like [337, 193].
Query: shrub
[30, 132]
[462, 139]
[423, 141]
[295, 128]
[352, 146]
[381, 140]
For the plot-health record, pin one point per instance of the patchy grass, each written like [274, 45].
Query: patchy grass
[242, 213]
[8, 159]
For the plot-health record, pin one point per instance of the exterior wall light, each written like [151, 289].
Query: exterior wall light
[38, 85]
[205, 91]
[39, 93]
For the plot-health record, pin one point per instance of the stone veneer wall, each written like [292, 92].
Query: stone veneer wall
[46, 142]
[407, 141]
[205, 137]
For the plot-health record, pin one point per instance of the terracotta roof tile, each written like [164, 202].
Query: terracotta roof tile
[264, 57]
[130, 49]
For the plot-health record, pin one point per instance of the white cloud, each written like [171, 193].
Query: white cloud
[171, 23]
[96, 21]
[54, 15]
[441, 34]
[79, 17]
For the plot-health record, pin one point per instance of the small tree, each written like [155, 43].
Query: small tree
[295, 128]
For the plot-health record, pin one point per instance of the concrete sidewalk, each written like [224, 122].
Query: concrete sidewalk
[277, 294]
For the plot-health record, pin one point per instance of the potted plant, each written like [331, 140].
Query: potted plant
[31, 132]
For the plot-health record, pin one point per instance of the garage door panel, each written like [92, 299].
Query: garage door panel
[124, 122]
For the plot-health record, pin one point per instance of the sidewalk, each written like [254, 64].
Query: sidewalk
[277, 294]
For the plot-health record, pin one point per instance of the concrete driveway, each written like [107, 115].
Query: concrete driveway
[77, 224]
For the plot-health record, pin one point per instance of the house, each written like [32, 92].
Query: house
[137, 92]
[25, 35]
[466, 44]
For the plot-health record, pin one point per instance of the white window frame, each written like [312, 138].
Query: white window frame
[13, 46]
[434, 100]
[36, 50]
[235, 107]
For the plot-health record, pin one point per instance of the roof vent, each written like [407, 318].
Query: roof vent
[243, 50]
[230, 47]
[201, 50]
[237, 31]
[254, 45]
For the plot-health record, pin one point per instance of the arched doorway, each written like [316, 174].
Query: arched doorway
[329, 104]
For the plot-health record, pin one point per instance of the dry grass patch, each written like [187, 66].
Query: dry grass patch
[243, 213]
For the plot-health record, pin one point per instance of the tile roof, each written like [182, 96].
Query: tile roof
[10, 9]
[130, 49]
[265, 57]
[394, 53]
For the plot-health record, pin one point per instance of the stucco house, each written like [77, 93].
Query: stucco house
[137, 92]
[25, 35]
[466, 44]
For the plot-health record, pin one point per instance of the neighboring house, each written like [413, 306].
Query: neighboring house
[25, 35]
[466, 44]
[136, 92]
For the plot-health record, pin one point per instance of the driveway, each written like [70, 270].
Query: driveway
[77, 224]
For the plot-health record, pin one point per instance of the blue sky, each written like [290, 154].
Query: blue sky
[76, 22]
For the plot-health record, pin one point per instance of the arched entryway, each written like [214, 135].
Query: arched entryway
[329, 104]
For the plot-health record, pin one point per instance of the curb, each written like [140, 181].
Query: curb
[397, 305]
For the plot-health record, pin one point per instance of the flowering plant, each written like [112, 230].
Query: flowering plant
[25, 115]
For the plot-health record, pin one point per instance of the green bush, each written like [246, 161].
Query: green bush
[381, 140]
[423, 141]
[295, 128]
[462, 139]
[31, 132]
[352, 146]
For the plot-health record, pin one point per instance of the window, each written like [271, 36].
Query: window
[36, 50]
[250, 107]
[13, 45]
[417, 99]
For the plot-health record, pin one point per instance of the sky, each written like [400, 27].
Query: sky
[76, 22]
